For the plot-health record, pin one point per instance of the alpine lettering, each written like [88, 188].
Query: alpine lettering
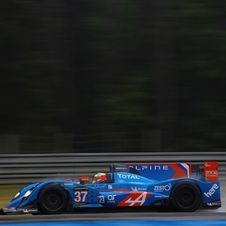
[151, 167]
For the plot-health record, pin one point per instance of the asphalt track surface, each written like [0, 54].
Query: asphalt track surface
[135, 214]
[199, 215]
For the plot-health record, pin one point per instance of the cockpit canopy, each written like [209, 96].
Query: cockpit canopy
[114, 168]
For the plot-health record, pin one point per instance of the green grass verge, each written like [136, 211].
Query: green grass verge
[7, 192]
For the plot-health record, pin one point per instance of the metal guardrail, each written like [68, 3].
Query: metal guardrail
[28, 168]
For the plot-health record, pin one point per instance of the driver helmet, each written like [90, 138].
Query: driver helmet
[99, 177]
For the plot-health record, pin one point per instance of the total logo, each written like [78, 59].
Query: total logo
[128, 176]
[162, 188]
[211, 191]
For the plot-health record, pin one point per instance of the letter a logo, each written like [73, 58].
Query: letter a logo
[135, 199]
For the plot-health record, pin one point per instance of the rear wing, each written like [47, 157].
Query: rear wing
[208, 171]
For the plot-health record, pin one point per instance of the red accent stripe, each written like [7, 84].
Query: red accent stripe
[179, 172]
[121, 190]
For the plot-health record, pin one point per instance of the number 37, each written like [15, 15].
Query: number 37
[80, 196]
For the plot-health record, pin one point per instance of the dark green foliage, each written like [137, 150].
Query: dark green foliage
[115, 75]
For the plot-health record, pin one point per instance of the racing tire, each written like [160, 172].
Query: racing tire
[186, 196]
[53, 199]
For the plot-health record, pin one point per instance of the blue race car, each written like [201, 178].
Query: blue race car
[179, 186]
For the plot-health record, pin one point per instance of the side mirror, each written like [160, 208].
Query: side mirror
[84, 179]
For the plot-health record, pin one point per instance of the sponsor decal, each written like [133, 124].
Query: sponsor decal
[30, 210]
[213, 203]
[152, 167]
[138, 189]
[128, 176]
[109, 186]
[111, 198]
[211, 191]
[100, 186]
[81, 188]
[135, 199]
[207, 164]
[120, 168]
[79, 203]
[100, 199]
[68, 184]
[161, 196]
[26, 211]
[211, 173]
[161, 188]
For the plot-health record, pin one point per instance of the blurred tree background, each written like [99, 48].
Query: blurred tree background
[103, 76]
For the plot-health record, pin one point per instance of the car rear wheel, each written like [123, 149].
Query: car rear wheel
[53, 199]
[186, 196]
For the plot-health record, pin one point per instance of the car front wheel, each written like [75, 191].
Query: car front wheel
[53, 199]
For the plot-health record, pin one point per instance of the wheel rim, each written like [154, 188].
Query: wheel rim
[187, 197]
[52, 201]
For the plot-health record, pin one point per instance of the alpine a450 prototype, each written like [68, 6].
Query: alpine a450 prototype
[182, 187]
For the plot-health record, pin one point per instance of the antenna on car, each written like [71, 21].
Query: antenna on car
[74, 172]
[112, 172]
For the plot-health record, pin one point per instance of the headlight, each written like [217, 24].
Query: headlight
[17, 195]
[27, 193]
